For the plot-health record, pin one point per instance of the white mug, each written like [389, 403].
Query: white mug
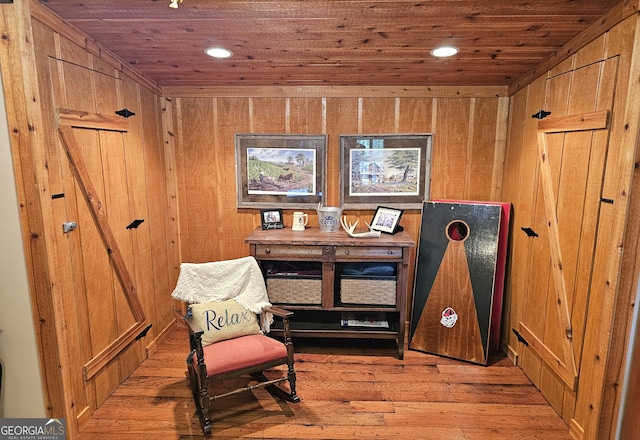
[300, 220]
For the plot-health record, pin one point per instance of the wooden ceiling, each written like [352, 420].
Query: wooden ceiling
[331, 42]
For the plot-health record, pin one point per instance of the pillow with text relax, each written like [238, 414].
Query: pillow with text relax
[224, 320]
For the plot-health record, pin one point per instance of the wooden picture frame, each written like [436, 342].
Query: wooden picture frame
[387, 220]
[391, 170]
[280, 169]
[271, 219]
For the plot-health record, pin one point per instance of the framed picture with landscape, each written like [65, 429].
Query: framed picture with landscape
[390, 170]
[280, 170]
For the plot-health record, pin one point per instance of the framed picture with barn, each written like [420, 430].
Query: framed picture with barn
[390, 170]
[283, 170]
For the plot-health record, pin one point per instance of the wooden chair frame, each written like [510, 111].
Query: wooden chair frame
[199, 381]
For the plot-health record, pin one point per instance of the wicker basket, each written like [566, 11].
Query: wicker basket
[368, 290]
[294, 289]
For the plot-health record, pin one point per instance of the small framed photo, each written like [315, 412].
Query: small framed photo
[387, 220]
[271, 218]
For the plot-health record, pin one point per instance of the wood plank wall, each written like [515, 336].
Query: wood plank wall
[78, 304]
[468, 149]
[467, 146]
[183, 185]
[601, 343]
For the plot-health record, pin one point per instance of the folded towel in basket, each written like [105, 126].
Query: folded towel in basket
[373, 269]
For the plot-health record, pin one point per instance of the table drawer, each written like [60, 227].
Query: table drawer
[359, 253]
[265, 252]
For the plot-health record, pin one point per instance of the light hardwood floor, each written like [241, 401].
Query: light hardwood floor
[352, 392]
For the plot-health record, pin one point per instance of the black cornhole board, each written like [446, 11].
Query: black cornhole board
[480, 247]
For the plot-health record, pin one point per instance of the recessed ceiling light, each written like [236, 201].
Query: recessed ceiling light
[218, 52]
[444, 51]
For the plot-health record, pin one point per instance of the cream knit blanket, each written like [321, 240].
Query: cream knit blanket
[240, 279]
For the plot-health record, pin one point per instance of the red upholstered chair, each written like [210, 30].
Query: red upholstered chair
[226, 333]
[250, 354]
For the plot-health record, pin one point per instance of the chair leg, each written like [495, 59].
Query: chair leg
[200, 395]
[291, 375]
[202, 408]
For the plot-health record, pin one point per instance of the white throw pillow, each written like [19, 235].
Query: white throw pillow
[224, 320]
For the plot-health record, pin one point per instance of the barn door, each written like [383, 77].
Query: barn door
[115, 315]
[572, 146]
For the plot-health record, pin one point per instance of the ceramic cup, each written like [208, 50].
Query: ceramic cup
[300, 220]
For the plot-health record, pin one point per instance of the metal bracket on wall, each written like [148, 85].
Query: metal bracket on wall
[69, 226]
[143, 333]
[519, 336]
[134, 224]
[541, 114]
[530, 232]
[125, 113]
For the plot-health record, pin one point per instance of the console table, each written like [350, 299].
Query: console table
[331, 252]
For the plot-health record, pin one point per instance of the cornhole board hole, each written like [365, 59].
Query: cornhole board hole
[456, 283]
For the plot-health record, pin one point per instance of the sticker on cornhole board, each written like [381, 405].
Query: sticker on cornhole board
[455, 268]
[449, 317]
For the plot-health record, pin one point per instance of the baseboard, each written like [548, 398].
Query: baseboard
[511, 353]
[153, 345]
[83, 416]
[576, 431]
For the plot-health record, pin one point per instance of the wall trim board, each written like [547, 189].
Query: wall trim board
[21, 381]
[337, 92]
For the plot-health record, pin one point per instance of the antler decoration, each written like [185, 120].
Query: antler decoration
[370, 234]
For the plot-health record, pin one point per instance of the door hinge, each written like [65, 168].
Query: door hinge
[541, 114]
[520, 338]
